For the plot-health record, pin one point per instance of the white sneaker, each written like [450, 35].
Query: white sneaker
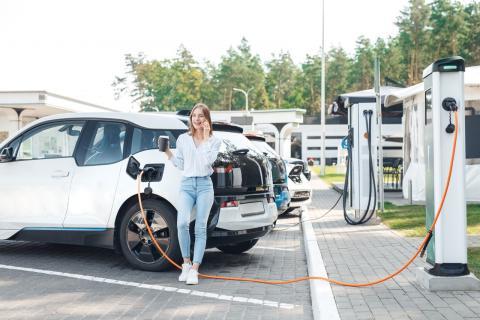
[185, 269]
[192, 277]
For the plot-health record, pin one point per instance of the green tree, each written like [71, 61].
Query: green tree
[281, 82]
[413, 39]
[208, 91]
[311, 79]
[361, 74]
[239, 68]
[449, 28]
[391, 61]
[338, 66]
[165, 85]
[470, 46]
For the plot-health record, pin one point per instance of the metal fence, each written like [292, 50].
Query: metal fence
[393, 175]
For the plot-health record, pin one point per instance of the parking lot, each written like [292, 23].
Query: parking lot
[40, 281]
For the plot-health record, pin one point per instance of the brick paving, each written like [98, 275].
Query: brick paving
[27, 295]
[364, 253]
[350, 253]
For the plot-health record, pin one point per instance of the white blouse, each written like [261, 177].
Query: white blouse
[195, 161]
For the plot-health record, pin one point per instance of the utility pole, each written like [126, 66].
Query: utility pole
[323, 115]
[246, 102]
[379, 122]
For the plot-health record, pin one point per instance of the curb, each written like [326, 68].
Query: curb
[323, 301]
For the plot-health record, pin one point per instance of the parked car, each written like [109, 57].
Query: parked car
[279, 171]
[305, 169]
[64, 180]
[298, 183]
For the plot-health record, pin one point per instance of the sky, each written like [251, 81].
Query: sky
[76, 47]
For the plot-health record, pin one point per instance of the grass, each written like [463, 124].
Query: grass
[331, 176]
[410, 221]
[474, 260]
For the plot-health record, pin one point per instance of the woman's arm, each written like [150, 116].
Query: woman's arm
[209, 151]
[177, 158]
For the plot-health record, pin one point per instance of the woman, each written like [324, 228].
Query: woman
[196, 151]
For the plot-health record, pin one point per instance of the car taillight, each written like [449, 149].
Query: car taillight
[271, 199]
[227, 169]
[229, 204]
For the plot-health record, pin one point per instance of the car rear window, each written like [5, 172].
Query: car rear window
[264, 147]
[232, 140]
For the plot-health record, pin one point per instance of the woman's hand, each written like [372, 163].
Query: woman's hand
[168, 152]
[206, 130]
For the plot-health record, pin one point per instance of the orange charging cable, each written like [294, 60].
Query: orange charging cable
[338, 282]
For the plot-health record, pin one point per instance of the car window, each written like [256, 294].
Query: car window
[50, 141]
[234, 141]
[145, 139]
[14, 145]
[107, 143]
[264, 147]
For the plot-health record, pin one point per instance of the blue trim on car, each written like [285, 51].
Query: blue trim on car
[64, 229]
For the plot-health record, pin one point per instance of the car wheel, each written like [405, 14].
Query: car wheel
[135, 242]
[238, 247]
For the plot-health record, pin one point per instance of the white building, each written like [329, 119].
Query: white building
[277, 123]
[310, 132]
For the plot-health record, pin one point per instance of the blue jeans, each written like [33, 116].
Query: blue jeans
[199, 191]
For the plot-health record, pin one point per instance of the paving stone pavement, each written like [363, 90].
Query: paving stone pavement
[30, 295]
[368, 252]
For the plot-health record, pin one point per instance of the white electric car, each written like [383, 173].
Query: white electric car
[64, 180]
[298, 183]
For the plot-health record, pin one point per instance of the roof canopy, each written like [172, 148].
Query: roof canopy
[40, 103]
[366, 95]
[472, 89]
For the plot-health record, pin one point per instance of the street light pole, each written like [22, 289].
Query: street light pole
[246, 101]
[323, 116]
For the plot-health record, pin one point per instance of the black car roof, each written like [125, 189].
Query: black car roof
[255, 137]
[183, 115]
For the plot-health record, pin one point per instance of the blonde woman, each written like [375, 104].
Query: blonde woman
[196, 151]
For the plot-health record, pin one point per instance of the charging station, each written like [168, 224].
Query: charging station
[360, 190]
[447, 249]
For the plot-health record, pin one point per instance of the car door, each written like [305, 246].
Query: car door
[35, 184]
[100, 157]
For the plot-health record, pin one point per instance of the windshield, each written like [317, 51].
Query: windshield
[265, 148]
[235, 141]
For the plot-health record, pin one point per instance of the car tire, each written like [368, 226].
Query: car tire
[137, 246]
[238, 248]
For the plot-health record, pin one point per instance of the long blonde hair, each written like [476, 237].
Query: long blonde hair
[206, 114]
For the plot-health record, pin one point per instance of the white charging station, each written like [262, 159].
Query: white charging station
[447, 250]
[360, 190]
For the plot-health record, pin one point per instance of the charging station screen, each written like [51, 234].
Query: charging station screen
[472, 132]
[428, 106]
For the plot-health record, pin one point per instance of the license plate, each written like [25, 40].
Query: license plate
[251, 209]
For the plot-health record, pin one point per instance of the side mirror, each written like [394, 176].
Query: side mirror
[308, 175]
[6, 154]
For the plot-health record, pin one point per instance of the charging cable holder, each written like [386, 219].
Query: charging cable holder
[449, 104]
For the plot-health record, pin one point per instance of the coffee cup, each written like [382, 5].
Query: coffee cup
[162, 143]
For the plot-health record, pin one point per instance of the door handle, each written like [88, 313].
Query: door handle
[60, 174]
